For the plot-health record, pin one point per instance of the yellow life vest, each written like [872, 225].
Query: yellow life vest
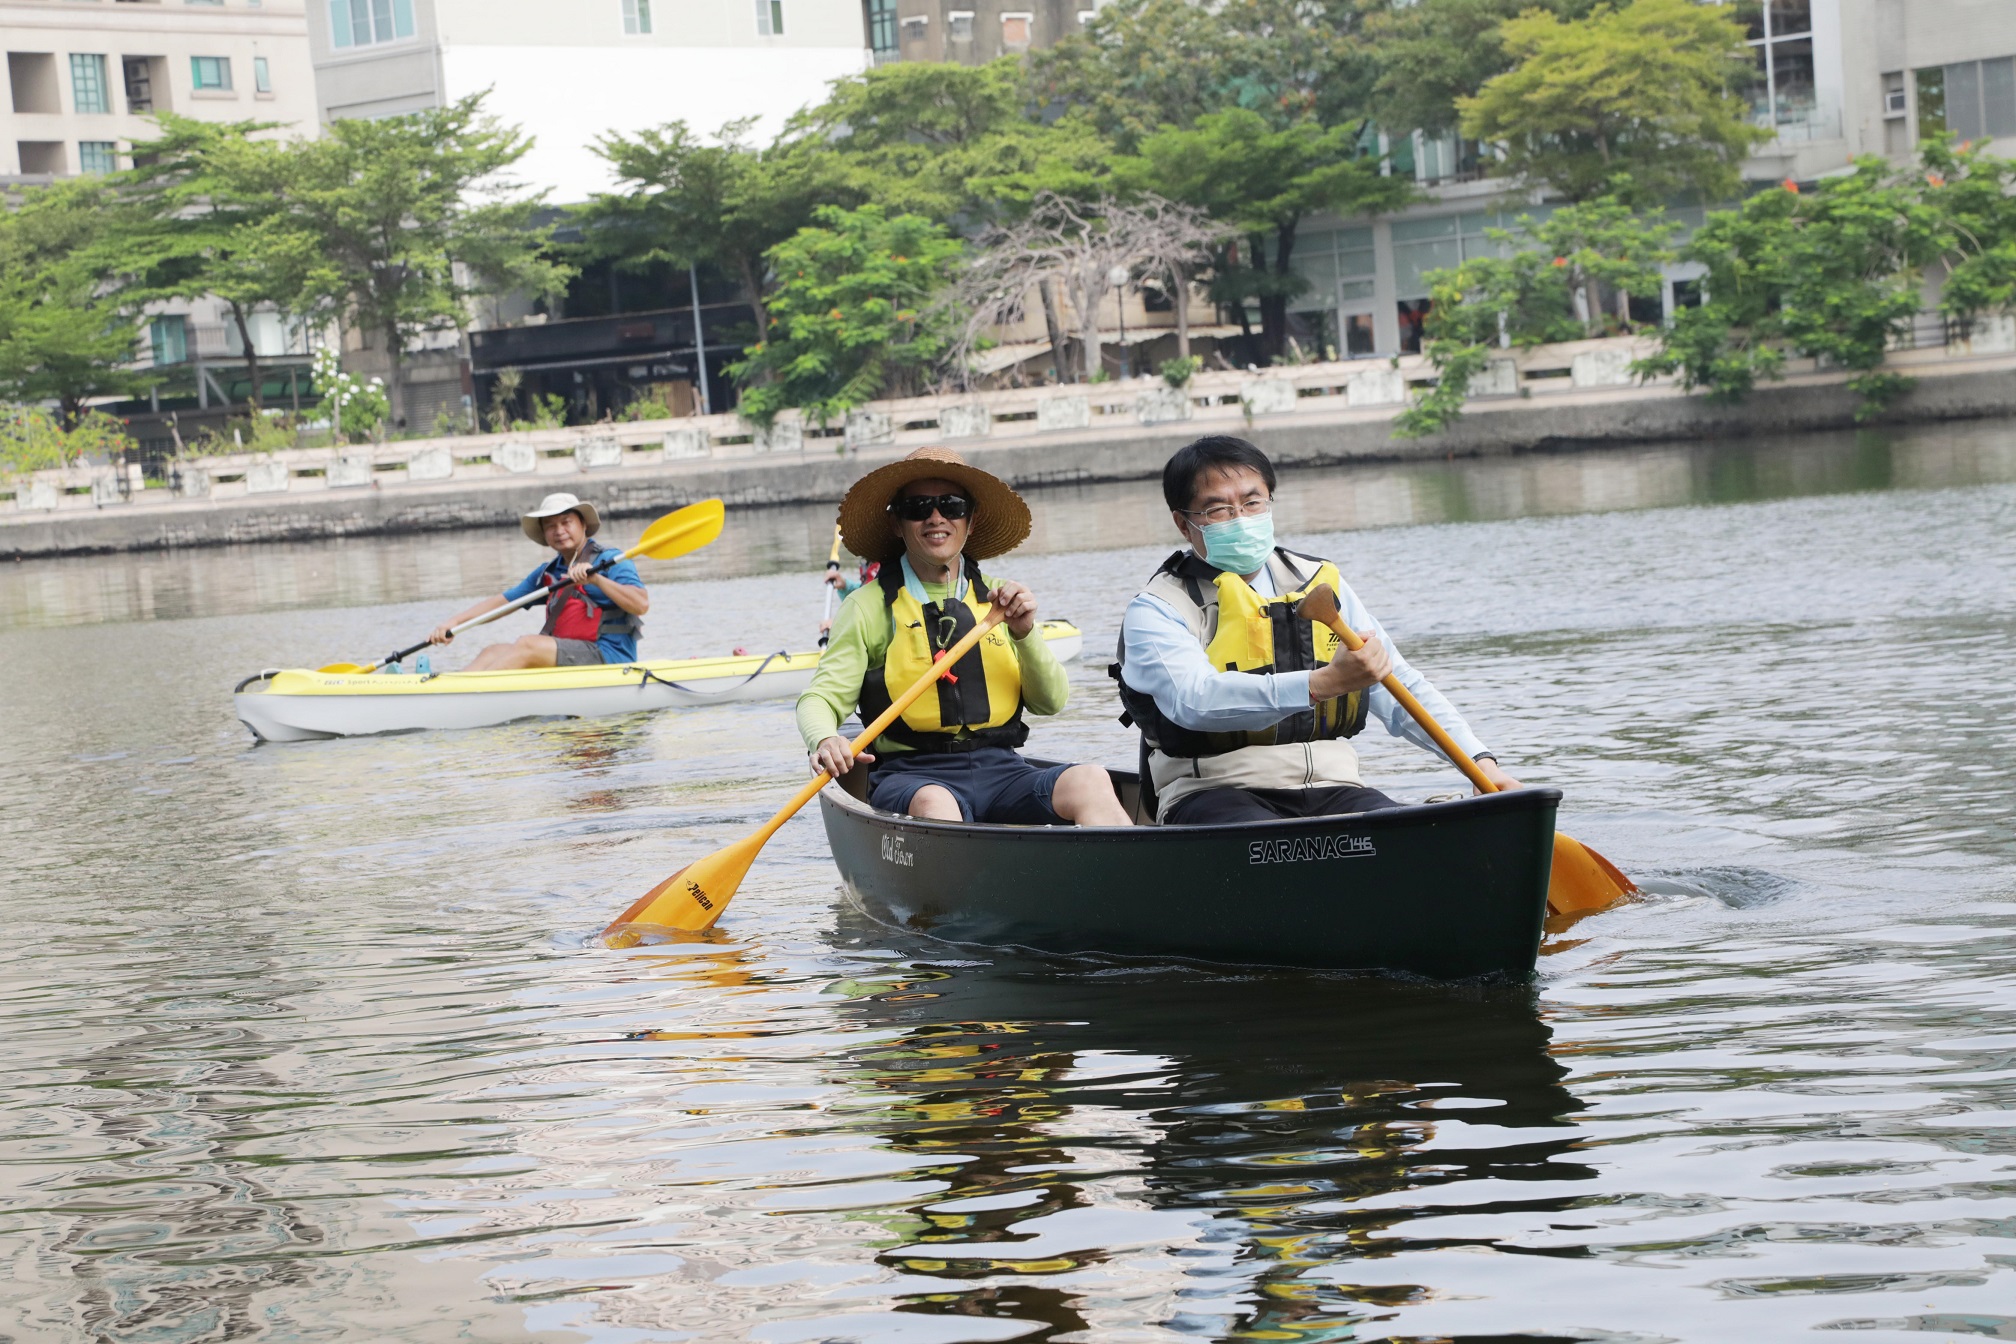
[1244, 632]
[978, 703]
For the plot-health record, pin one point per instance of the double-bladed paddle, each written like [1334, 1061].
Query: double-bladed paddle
[694, 897]
[1582, 879]
[675, 534]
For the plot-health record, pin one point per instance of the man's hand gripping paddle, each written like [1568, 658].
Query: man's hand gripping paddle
[1582, 879]
[672, 536]
[694, 897]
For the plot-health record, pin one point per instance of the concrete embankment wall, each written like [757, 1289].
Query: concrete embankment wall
[822, 469]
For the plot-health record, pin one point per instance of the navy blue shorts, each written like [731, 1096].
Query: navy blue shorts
[992, 784]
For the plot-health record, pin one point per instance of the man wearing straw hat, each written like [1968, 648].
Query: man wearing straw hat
[930, 519]
[590, 618]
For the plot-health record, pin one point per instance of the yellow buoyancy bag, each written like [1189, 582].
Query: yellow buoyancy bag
[1253, 634]
[979, 702]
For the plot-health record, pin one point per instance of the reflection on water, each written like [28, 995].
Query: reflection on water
[371, 571]
[308, 1043]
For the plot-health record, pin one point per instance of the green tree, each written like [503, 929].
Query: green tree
[1835, 272]
[1432, 53]
[413, 217]
[1648, 91]
[1264, 180]
[1970, 193]
[1544, 287]
[63, 337]
[205, 210]
[852, 316]
[683, 200]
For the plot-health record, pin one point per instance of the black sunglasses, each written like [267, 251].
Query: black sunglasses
[918, 508]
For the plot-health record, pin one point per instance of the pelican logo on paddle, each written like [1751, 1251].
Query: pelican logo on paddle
[893, 852]
[1310, 849]
[699, 896]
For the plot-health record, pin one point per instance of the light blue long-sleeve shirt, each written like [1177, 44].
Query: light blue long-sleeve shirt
[1163, 660]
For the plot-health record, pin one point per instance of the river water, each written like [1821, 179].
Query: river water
[309, 1042]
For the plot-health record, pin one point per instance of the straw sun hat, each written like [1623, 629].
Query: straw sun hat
[554, 504]
[999, 522]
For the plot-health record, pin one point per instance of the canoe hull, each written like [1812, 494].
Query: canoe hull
[1447, 890]
[302, 706]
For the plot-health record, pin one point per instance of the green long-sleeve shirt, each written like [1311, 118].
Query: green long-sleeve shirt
[860, 640]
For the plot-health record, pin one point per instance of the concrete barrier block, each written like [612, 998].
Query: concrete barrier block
[1994, 334]
[267, 478]
[784, 436]
[1499, 378]
[869, 429]
[105, 490]
[686, 443]
[1064, 413]
[40, 495]
[1601, 368]
[430, 464]
[601, 451]
[1162, 405]
[965, 421]
[187, 482]
[515, 457]
[347, 471]
[1379, 385]
[1268, 396]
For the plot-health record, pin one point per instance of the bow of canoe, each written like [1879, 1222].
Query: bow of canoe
[1446, 890]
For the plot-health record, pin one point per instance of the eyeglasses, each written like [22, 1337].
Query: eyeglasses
[919, 508]
[1225, 513]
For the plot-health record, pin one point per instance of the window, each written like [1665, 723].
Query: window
[1973, 100]
[1786, 97]
[637, 18]
[915, 26]
[364, 23]
[88, 85]
[1015, 31]
[171, 339]
[97, 156]
[262, 75]
[770, 18]
[882, 26]
[210, 72]
[959, 25]
[1893, 95]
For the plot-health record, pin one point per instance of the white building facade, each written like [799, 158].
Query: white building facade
[570, 71]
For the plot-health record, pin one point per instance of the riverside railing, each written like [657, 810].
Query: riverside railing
[1363, 388]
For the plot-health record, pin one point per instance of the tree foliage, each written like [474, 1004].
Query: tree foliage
[63, 336]
[851, 313]
[1433, 53]
[1649, 91]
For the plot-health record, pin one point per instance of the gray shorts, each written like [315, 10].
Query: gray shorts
[576, 653]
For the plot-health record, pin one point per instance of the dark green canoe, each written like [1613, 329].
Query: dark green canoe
[1446, 890]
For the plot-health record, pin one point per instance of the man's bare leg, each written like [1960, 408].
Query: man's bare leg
[525, 651]
[1083, 796]
[935, 802]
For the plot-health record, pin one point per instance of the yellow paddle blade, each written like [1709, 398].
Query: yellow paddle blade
[1582, 879]
[691, 899]
[680, 531]
[343, 669]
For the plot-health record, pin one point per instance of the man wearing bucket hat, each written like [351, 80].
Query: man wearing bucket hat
[590, 618]
[930, 519]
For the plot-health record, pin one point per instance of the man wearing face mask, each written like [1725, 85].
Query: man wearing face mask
[1244, 709]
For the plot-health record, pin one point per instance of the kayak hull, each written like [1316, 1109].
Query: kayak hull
[301, 706]
[1446, 890]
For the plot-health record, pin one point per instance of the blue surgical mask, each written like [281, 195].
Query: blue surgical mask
[1241, 545]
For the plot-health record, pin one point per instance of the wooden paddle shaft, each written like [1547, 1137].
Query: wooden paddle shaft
[888, 716]
[1457, 757]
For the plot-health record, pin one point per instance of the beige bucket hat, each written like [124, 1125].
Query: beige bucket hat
[554, 504]
[1000, 518]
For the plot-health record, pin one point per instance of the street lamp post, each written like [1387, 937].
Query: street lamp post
[1117, 277]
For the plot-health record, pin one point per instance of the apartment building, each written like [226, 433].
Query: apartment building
[1838, 79]
[970, 32]
[83, 79]
[568, 71]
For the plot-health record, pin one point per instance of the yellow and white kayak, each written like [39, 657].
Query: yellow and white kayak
[298, 705]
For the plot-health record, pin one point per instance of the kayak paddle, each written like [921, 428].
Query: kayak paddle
[1582, 879]
[675, 534]
[832, 568]
[694, 897]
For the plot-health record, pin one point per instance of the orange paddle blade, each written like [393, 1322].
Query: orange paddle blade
[689, 900]
[1582, 879]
